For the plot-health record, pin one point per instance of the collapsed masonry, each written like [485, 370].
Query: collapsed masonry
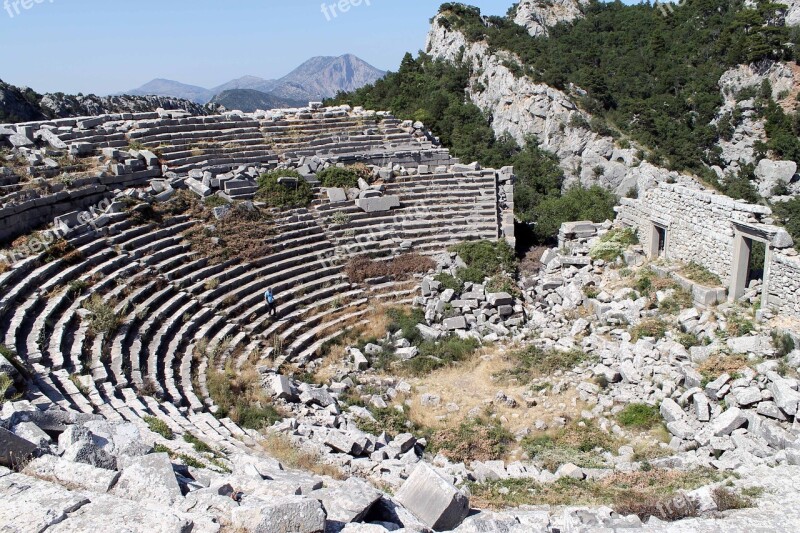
[693, 225]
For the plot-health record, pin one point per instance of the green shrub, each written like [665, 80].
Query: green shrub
[5, 384]
[783, 343]
[255, 417]
[726, 499]
[390, 420]
[450, 282]
[739, 326]
[577, 443]
[438, 354]
[199, 446]
[274, 194]
[502, 283]
[595, 204]
[338, 177]
[788, 215]
[157, 425]
[215, 201]
[102, 318]
[188, 460]
[681, 299]
[485, 259]
[639, 416]
[613, 243]
[406, 321]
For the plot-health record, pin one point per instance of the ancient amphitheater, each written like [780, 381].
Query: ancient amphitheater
[178, 307]
[138, 255]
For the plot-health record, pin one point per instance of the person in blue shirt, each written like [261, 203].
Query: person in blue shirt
[270, 298]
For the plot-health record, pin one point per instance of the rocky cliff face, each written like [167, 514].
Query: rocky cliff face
[521, 107]
[738, 85]
[25, 105]
[539, 15]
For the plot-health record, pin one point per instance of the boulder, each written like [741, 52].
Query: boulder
[150, 477]
[458, 322]
[497, 299]
[433, 499]
[295, 514]
[728, 421]
[349, 502]
[784, 396]
[108, 513]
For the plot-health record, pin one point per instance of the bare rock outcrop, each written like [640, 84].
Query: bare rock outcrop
[537, 16]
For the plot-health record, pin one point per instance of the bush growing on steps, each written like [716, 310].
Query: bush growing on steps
[338, 177]
[157, 425]
[274, 194]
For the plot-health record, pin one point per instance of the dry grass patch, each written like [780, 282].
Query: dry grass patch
[281, 448]
[651, 493]
[399, 268]
[716, 365]
[473, 440]
[473, 383]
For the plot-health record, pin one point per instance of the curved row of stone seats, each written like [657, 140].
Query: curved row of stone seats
[22, 302]
[436, 210]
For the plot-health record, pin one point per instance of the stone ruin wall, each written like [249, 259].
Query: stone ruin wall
[701, 228]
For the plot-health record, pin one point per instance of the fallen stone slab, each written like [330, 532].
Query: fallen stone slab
[433, 499]
[378, 205]
[428, 332]
[295, 514]
[342, 442]
[496, 299]
[150, 477]
[75, 475]
[670, 410]
[29, 504]
[280, 387]
[730, 420]
[784, 396]
[457, 322]
[349, 502]
[108, 513]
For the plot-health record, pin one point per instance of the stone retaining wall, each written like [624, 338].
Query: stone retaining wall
[39, 211]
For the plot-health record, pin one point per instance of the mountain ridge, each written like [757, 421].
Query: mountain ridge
[315, 79]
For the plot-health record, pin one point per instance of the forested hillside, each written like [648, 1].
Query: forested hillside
[651, 76]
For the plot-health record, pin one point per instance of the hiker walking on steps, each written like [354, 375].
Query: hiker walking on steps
[270, 298]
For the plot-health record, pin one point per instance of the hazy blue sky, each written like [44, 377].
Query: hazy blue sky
[106, 46]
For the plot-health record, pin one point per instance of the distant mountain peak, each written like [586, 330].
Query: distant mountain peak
[316, 78]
